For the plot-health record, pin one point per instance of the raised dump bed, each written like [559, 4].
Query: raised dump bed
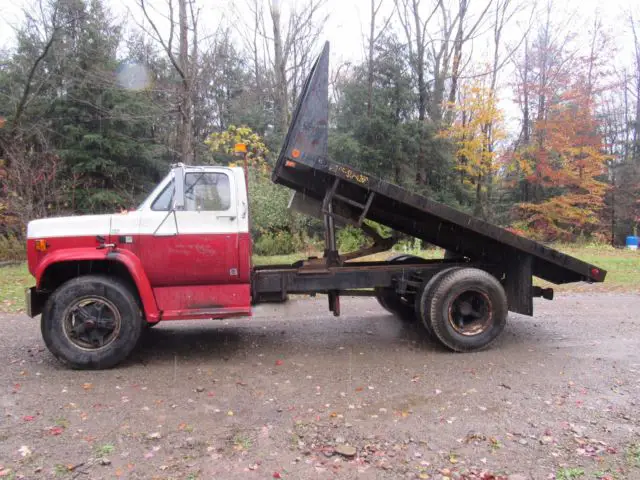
[304, 166]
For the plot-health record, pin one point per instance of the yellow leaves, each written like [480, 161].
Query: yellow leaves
[225, 142]
[475, 131]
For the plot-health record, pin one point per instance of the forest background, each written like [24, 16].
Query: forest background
[524, 114]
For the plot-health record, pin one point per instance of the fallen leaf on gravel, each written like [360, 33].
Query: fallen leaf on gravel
[6, 472]
[230, 413]
[56, 430]
[87, 386]
[154, 436]
[278, 363]
[28, 418]
[276, 475]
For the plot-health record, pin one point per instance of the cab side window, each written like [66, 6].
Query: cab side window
[207, 191]
[162, 203]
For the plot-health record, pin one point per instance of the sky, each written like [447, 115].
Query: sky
[348, 21]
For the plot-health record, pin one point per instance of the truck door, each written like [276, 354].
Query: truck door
[198, 245]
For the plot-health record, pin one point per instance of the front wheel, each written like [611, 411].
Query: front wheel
[91, 322]
[467, 309]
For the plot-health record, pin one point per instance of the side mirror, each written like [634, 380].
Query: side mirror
[178, 194]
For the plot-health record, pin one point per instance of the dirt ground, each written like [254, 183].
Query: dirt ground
[286, 393]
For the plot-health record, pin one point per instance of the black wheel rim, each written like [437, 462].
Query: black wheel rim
[470, 313]
[92, 323]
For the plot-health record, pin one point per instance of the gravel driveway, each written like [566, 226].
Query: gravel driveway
[296, 393]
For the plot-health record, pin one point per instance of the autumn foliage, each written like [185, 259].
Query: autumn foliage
[563, 168]
[476, 128]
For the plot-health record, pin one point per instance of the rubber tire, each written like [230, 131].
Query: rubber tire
[51, 322]
[390, 300]
[392, 303]
[447, 289]
[425, 296]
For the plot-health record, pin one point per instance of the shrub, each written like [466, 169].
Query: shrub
[350, 238]
[277, 243]
[12, 249]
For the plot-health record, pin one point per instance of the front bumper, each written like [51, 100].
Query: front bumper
[34, 301]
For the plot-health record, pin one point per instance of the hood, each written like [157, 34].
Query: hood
[80, 226]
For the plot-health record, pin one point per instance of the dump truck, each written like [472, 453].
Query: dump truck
[185, 253]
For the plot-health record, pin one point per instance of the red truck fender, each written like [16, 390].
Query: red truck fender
[124, 257]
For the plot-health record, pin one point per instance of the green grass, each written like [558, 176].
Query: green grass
[103, 450]
[13, 281]
[633, 455]
[569, 473]
[623, 267]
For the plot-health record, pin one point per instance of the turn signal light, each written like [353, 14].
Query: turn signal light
[41, 245]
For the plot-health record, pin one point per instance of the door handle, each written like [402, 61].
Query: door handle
[230, 217]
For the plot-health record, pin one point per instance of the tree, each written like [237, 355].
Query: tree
[567, 168]
[477, 126]
[185, 65]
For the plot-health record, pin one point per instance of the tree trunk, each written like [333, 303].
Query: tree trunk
[185, 128]
[372, 28]
[457, 58]
[280, 70]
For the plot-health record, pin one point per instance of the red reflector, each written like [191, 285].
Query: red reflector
[595, 272]
[289, 163]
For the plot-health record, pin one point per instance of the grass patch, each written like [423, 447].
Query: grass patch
[633, 455]
[104, 450]
[623, 267]
[13, 281]
[569, 473]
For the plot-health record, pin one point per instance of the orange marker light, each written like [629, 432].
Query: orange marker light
[295, 153]
[41, 245]
[240, 148]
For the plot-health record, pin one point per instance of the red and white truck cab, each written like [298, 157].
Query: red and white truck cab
[186, 254]
[188, 260]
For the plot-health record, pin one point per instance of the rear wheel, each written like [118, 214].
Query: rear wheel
[390, 300]
[425, 296]
[91, 322]
[467, 309]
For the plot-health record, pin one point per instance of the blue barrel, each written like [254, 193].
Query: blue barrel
[632, 242]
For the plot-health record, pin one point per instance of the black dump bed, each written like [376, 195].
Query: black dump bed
[303, 166]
